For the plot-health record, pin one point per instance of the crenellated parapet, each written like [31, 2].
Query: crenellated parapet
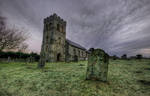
[55, 22]
[54, 17]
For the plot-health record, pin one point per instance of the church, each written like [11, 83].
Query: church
[55, 46]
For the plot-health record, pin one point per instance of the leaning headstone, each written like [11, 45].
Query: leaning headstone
[30, 59]
[8, 59]
[42, 60]
[97, 68]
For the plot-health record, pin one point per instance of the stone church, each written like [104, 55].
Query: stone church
[55, 46]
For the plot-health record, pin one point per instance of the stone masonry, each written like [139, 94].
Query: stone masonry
[55, 46]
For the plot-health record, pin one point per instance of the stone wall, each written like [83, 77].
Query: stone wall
[80, 53]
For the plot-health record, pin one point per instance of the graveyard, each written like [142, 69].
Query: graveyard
[125, 78]
[74, 48]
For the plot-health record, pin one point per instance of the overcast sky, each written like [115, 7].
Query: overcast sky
[117, 26]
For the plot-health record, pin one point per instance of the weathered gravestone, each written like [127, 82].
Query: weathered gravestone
[97, 68]
[31, 59]
[8, 59]
[42, 60]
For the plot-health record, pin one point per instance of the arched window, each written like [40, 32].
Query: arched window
[58, 27]
[47, 47]
[74, 50]
[59, 40]
[46, 38]
[47, 27]
[50, 25]
[63, 29]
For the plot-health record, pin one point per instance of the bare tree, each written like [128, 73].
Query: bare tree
[10, 38]
[23, 47]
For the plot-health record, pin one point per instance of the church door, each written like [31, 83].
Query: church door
[58, 56]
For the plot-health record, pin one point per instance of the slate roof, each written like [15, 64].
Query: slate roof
[75, 44]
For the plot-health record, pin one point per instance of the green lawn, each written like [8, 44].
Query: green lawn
[125, 78]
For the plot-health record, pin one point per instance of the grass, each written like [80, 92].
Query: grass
[125, 78]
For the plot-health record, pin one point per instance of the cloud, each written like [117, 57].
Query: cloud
[117, 26]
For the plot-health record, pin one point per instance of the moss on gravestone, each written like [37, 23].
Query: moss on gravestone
[97, 68]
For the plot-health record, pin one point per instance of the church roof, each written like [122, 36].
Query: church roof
[75, 44]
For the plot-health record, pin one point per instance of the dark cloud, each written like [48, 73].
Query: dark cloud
[117, 26]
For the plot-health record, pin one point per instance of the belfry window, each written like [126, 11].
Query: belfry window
[58, 27]
[62, 29]
[47, 38]
[47, 27]
[50, 25]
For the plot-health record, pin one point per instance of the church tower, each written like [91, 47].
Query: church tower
[54, 37]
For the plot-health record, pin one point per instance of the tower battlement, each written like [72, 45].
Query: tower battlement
[55, 17]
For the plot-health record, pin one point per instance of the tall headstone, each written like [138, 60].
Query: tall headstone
[9, 59]
[97, 68]
[31, 59]
[42, 60]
